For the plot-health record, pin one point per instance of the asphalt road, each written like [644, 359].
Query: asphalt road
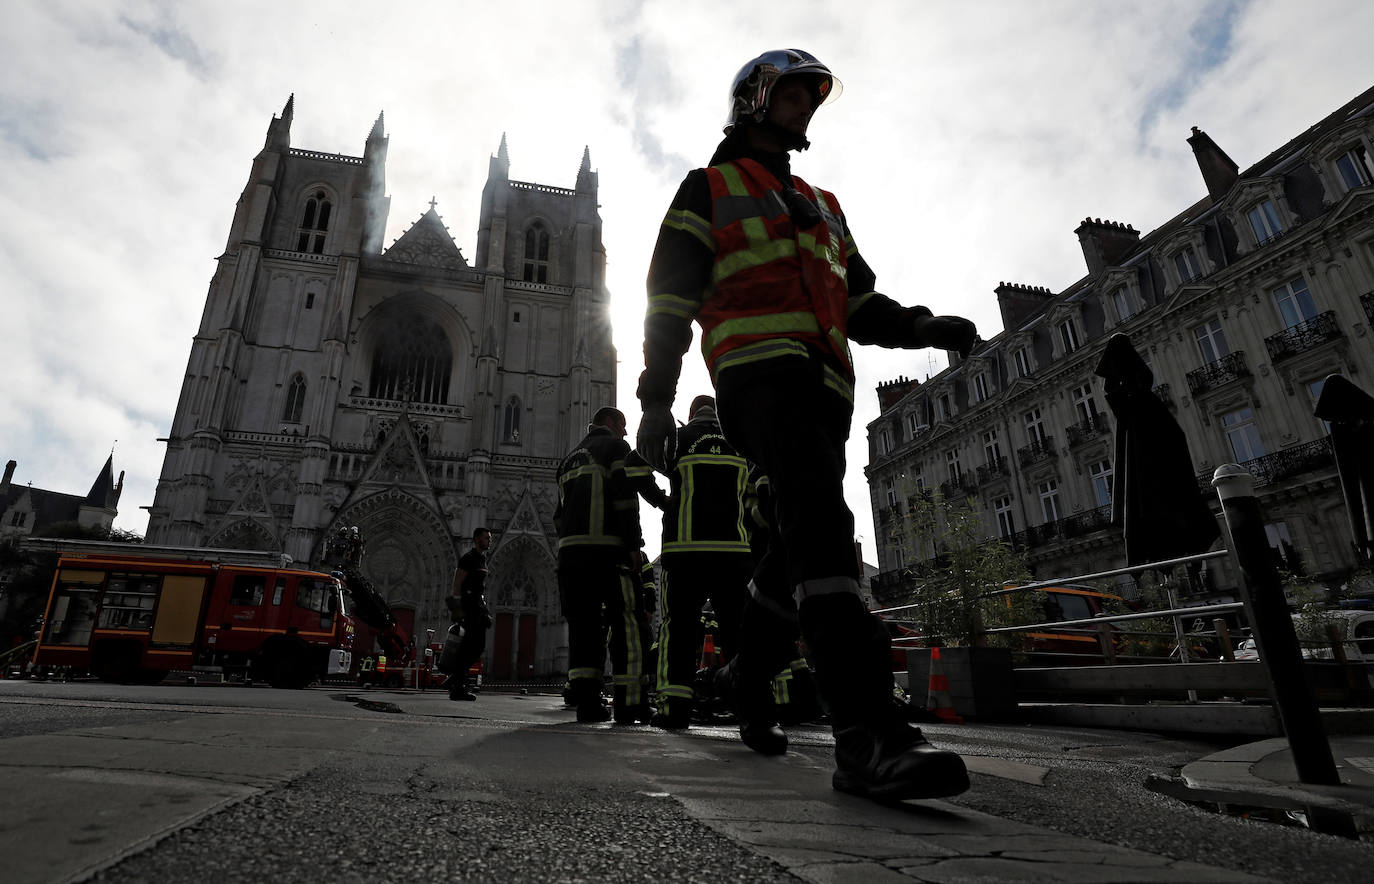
[174, 783]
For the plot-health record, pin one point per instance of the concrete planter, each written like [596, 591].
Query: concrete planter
[981, 682]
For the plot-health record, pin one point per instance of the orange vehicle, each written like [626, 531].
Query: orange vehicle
[1069, 602]
[133, 613]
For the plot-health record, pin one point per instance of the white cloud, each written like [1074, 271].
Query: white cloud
[970, 140]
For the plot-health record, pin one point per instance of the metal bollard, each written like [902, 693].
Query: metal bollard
[1277, 641]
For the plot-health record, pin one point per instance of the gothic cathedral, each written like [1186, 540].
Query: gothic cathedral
[405, 391]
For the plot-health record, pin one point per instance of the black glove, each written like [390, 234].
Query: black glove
[656, 440]
[947, 333]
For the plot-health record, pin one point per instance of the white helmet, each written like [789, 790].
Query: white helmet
[754, 83]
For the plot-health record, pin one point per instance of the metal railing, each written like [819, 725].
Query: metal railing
[1087, 429]
[1040, 449]
[1223, 371]
[1303, 337]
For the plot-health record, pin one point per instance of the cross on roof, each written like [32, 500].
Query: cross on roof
[433, 202]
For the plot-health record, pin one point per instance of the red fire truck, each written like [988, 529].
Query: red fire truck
[134, 612]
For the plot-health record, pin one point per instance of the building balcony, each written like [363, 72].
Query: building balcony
[1164, 394]
[995, 469]
[1303, 336]
[1087, 430]
[1367, 302]
[1280, 465]
[1040, 450]
[1076, 525]
[1228, 368]
[958, 489]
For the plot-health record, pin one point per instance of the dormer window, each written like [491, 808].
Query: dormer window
[980, 387]
[1068, 336]
[1022, 359]
[1355, 168]
[314, 224]
[1123, 304]
[945, 407]
[1264, 222]
[536, 253]
[1187, 264]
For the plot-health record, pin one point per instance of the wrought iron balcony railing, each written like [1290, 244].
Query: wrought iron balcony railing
[1041, 449]
[1280, 465]
[1228, 368]
[958, 489]
[1070, 526]
[1303, 336]
[1164, 394]
[1087, 429]
[994, 469]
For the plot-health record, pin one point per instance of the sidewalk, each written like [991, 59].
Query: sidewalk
[1262, 775]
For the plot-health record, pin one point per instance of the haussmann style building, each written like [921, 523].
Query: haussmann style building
[336, 382]
[1242, 306]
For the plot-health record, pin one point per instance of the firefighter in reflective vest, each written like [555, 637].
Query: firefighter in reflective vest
[597, 518]
[705, 555]
[766, 265]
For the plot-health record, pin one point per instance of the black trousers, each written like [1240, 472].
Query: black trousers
[470, 648]
[689, 579]
[785, 418]
[597, 590]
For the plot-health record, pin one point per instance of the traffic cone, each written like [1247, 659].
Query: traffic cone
[938, 700]
[708, 652]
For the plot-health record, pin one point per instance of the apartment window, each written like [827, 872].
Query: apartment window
[1035, 426]
[946, 410]
[1355, 167]
[980, 386]
[1006, 526]
[1211, 341]
[891, 493]
[1022, 359]
[1121, 300]
[309, 300]
[1294, 302]
[1049, 499]
[1264, 222]
[1068, 336]
[992, 447]
[884, 441]
[1242, 434]
[314, 226]
[1083, 403]
[295, 401]
[952, 465]
[511, 427]
[1188, 266]
[913, 424]
[918, 476]
[1281, 542]
[1100, 474]
[536, 253]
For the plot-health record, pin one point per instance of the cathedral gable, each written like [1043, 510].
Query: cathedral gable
[427, 244]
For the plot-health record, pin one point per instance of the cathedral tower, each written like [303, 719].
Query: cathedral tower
[333, 382]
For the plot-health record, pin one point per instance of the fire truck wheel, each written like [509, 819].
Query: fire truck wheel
[286, 662]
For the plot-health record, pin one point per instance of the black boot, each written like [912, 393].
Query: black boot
[751, 699]
[892, 761]
[458, 689]
[674, 714]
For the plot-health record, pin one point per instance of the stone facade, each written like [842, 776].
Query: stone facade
[402, 390]
[1242, 305]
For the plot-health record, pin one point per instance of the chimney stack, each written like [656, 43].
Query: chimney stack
[1020, 302]
[1219, 171]
[9, 474]
[1105, 243]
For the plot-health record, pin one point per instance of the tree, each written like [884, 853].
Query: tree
[956, 595]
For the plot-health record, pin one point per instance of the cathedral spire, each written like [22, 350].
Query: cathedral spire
[586, 178]
[378, 128]
[501, 152]
[279, 130]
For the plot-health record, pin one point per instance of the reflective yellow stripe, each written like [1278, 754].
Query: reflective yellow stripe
[591, 540]
[855, 304]
[727, 546]
[800, 321]
[734, 184]
[672, 305]
[633, 677]
[840, 384]
[584, 672]
[690, 223]
[762, 250]
[756, 352]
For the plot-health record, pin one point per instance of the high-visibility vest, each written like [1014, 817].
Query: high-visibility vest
[775, 288]
[709, 481]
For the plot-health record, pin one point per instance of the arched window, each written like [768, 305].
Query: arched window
[295, 400]
[314, 224]
[412, 361]
[536, 253]
[511, 432]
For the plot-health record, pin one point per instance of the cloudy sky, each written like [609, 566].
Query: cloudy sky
[971, 139]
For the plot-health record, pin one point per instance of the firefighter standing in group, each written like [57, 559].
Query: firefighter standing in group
[765, 264]
[468, 605]
[705, 555]
[598, 559]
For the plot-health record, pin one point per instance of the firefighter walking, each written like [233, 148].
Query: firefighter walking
[598, 546]
[766, 265]
[468, 607]
[705, 556]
